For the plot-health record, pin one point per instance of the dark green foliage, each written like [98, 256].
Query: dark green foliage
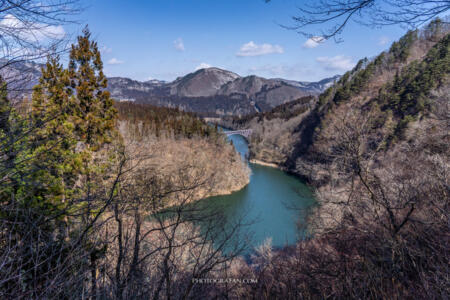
[10, 129]
[5, 106]
[53, 142]
[342, 94]
[407, 95]
[359, 80]
[361, 63]
[284, 111]
[400, 50]
[379, 59]
[44, 152]
[352, 82]
[161, 120]
[94, 107]
[435, 29]
[326, 96]
[344, 79]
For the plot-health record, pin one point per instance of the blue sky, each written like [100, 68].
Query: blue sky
[164, 39]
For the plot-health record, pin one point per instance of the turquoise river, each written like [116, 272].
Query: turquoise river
[273, 204]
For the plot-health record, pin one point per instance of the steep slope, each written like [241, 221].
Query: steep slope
[167, 141]
[390, 95]
[398, 91]
[376, 147]
[265, 93]
[274, 132]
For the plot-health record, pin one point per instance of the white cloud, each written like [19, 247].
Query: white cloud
[336, 63]
[252, 49]
[202, 66]
[115, 61]
[178, 44]
[33, 32]
[383, 40]
[313, 42]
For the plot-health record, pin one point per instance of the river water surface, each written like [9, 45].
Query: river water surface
[274, 203]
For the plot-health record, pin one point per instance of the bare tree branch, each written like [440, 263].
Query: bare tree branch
[328, 18]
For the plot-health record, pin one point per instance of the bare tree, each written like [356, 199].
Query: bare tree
[31, 30]
[384, 229]
[160, 239]
[40, 263]
[336, 14]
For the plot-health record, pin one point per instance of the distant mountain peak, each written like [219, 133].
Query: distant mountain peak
[215, 69]
[202, 83]
[209, 90]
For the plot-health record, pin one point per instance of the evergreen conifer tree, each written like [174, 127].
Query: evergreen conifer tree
[7, 143]
[94, 107]
[56, 164]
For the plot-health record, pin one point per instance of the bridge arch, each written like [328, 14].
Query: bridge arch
[244, 132]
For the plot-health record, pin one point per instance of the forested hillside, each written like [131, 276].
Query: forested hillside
[376, 146]
[400, 86]
[174, 140]
[155, 120]
[83, 182]
[274, 132]
[99, 199]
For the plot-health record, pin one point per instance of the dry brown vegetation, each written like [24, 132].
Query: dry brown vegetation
[273, 133]
[86, 213]
[380, 162]
[159, 239]
[173, 141]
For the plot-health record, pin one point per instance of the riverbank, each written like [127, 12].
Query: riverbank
[269, 204]
[263, 163]
[206, 166]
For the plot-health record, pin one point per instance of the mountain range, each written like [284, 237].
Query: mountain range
[214, 91]
[211, 91]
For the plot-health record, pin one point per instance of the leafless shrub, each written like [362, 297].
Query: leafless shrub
[30, 31]
[381, 229]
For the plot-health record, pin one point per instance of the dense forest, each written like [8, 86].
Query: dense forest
[163, 121]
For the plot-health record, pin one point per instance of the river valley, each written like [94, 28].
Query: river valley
[273, 204]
